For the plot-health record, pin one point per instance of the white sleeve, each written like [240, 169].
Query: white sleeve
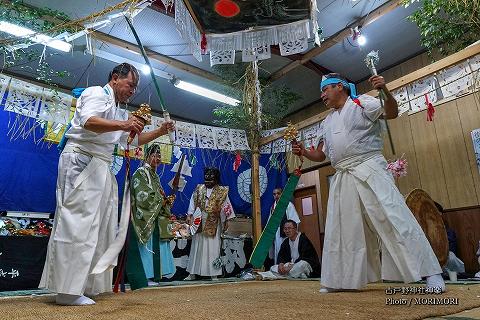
[292, 213]
[92, 103]
[191, 206]
[227, 212]
[372, 108]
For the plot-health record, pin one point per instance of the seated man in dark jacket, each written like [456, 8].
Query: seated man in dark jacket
[297, 257]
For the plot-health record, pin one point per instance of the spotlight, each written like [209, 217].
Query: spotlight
[361, 40]
[145, 69]
[358, 36]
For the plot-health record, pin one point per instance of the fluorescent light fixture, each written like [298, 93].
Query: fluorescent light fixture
[361, 40]
[140, 66]
[145, 69]
[187, 86]
[39, 38]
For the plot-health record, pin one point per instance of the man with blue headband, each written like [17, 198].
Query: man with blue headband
[366, 213]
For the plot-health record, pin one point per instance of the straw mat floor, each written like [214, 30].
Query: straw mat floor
[243, 301]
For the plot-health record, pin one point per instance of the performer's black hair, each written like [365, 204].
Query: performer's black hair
[292, 222]
[122, 70]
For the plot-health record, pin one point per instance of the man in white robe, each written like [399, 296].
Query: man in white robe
[365, 208]
[216, 210]
[290, 214]
[86, 215]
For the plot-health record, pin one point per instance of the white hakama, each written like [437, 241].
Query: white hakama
[366, 213]
[86, 216]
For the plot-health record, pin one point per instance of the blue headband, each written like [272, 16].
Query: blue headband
[351, 86]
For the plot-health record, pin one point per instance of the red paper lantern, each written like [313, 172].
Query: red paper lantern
[227, 8]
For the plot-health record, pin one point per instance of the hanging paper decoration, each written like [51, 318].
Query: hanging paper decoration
[476, 145]
[54, 132]
[267, 148]
[223, 139]
[186, 169]
[455, 80]
[293, 39]
[206, 138]
[474, 62]
[309, 135]
[168, 4]
[401, 96]
[55, 106]
[23, 98]
[187, 29]
[181, 183]
[166, 148]
[249, 26]
[261, 52]
[185, 134]
[222, 57]
[417, 91]
[239, 139]
[398, 168]
[237, 162]
[4, 82]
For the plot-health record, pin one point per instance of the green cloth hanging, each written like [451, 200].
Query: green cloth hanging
[268, 235]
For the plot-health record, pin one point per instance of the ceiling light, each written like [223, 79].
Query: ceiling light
[361, 40]
[187, 86]
[145, 69]
[140, 66]
[38, 38]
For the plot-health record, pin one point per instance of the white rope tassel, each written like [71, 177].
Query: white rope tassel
[258, 93]
[315, 27]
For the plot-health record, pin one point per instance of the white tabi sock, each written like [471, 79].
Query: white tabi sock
[190, 277]
[328, 290]
[436, 281]
[72, 300]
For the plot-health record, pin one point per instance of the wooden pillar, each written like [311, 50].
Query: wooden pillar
[256, 206]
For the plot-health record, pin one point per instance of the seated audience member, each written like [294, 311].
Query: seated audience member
[297, 257]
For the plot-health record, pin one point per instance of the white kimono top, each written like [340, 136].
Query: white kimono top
[353, 130]
[98, 102]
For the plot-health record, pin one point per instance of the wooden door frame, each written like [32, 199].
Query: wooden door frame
[324, 172]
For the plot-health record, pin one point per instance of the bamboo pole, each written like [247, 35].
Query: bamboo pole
[251, 102]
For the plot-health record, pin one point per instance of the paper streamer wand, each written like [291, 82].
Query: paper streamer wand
[371, 60]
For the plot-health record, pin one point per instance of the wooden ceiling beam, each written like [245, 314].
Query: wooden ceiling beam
[150, 53]
[157, 56]
[337, 37]
[319, 69]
